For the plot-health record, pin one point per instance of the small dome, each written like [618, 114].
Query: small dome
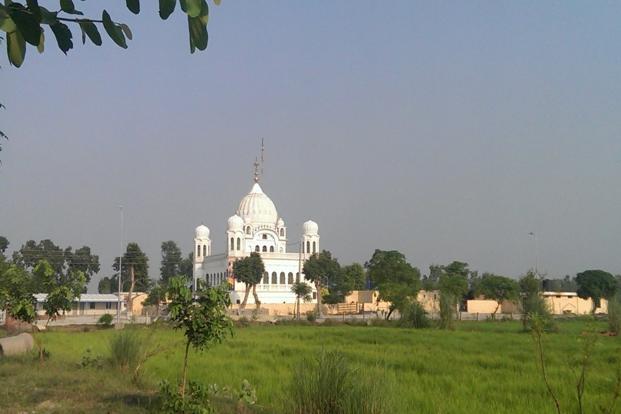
[311, 228]
[257, 208]
[280, 223]
[236, 223]
[202, 232]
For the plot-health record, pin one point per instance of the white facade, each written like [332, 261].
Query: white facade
[256, 227]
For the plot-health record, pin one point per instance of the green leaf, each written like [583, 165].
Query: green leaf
[166, 8]
[198, 34]
[16, 48]
[33, 6]
[133, 6]
[115, 33]
[67, 6]
[26, 23]
[48, 17]
[204, 12]
[91, 31]
[192, 7]
[6, 23]
[63, 36]
[125, 28]
[41, 45]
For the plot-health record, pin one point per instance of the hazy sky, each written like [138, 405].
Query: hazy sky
[446, 130]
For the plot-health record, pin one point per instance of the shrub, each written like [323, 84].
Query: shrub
[90, 360]
[311, 316]
[196, 400]
[105, 320]
[126, 348]
[414, 316]
[327, 384]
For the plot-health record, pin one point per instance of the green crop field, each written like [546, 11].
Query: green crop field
[480, 367]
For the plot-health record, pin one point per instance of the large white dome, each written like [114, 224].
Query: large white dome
[257, 207]
[202, 232]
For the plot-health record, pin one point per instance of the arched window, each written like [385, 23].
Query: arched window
[266, 278]
[282, 278]
[274, 278]
[238, 243]
[248, 230]
[314, 247]
[204, 250]
[257, 248]
[271, 249]
[282, 232]
[290, 278]
[307, 247]
[232, 243]
[264, 237]
[265, 248]
[198, 251]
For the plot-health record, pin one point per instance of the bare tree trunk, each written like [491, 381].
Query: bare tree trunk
[495, 310]
[298, 303]
[256, 297]
[130, 299]
[185, 369]
[318, 287]
[243, 304]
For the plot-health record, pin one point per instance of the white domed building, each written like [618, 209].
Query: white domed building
[256, 227]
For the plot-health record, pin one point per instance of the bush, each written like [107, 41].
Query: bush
[414, 316]
[105, 320]
[195, 402]
[311, 316]
[327, 384]
[126, 348]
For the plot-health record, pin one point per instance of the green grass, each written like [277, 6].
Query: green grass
[482, 366]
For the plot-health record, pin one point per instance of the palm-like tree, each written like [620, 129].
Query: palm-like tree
[301, 291]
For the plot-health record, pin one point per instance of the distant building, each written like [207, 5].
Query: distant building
[87, 304]
[256, 227]
[561, 303]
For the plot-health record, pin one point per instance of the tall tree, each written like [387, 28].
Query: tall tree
[351, 277]
[16, 293]
[532, 304]
[171, 261]
[106, 285]
[249, 270]
[63, 261]
[134, 274]
[186, 267]
[453, 285]
[430, 282]
[24, 24]
[82, 260]
[397, 281]
[60, 293]
[596, 284]
[302, 291]
[4, 244]
[498, 288]
[321, 269]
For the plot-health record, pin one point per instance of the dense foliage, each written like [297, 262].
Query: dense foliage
[26, 23]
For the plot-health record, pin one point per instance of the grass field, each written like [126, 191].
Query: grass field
[480, 367]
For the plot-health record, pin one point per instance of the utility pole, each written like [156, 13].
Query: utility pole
[534, 236]
[118, 305]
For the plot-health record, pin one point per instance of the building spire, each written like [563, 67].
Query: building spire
[258, 165]
[257, 175]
